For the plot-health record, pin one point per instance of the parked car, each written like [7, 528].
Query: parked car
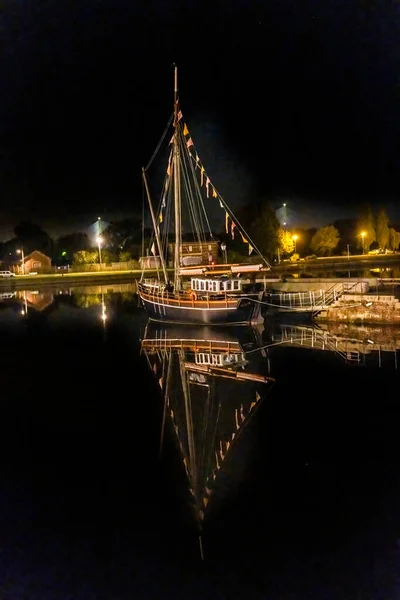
[7, 274]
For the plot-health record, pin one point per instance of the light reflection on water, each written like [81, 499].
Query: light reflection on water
[84, 396]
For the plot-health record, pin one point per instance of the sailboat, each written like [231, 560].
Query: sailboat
[192, 286]
[212, 381]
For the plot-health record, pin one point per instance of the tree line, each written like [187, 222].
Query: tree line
[124, 240]
[121, 241]
[354, 236]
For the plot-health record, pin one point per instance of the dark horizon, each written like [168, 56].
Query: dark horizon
[299, 105]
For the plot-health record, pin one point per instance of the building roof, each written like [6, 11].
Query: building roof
[29, 256]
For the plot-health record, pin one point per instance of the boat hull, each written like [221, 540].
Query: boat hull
[232, 311]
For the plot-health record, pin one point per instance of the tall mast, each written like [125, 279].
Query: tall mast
[177, 188]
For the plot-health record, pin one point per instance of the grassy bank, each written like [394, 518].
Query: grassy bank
[23, 281]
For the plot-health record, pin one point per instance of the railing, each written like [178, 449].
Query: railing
[329, 296]
[317, 339]
[311, 301]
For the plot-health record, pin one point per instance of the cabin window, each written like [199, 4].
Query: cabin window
[214, 286]
[209, 359]
[202, 285]
[209, 247]
[36, 264]
[190, 248]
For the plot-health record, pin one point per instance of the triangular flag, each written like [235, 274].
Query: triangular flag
[226, 222]
[207, 184]
[153, 249]
[250, 249]
[220, 203]
[185, 130]
[189, 142]
[201, 175]
[214, 193]
[233, 225]
[243, 238]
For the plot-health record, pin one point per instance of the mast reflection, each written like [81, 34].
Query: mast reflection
[212, 382]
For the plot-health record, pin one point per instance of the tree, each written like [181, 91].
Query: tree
[125, 257]
[32, 237]
[86, 257]
[71, 243]
[382, 229]
[366, 224]
[123, 234]
[286, 242]
[259, 219]
[325, 240]
[394, 239]
[347, 229]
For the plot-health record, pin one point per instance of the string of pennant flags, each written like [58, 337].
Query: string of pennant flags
[205, 181]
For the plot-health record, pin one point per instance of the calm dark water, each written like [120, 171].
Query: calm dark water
[88, 509]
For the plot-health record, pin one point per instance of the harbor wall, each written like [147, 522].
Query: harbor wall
[363, 308]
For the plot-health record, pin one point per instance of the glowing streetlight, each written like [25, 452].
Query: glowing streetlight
[295, 238]
[99, 240]
[363, 234]
[223, 248]
[21, 251]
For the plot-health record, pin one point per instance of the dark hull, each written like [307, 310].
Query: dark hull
[239, 313]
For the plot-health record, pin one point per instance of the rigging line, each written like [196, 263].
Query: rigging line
[199, 214]
[242, 230]
[160, 142]
[143, 214]
[229, 211]
[203, 217]
[195, 208]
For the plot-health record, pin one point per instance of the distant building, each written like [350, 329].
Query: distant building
[35, 262]
[195, 253]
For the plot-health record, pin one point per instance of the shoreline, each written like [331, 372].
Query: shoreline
[22, 281]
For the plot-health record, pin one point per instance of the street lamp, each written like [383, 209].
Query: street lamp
[363, 234]
[99, 240]
[223, 248]
[21, 251]
[295, 238]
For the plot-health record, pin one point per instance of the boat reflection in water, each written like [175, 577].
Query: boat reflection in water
[212, 382]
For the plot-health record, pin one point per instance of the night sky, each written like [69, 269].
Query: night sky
[298, 100]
